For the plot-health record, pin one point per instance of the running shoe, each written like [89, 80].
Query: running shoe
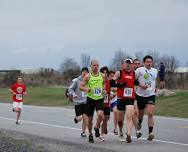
[138, 134]
[102, 138]
[83, 135]
[91, 140]
[151, 136]
[17, 123]
[121, 138]
[115, 132]
[75, 120]
[128, 139]
[97, 134]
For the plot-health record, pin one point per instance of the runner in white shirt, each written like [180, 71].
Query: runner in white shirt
[146, 92]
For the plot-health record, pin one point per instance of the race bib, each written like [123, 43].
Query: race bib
[128, 92]
[19, 96]
[83, 94]
[149, 84]
[106, 99]
[97, 92]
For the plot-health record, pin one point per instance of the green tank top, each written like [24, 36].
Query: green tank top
[96, 84]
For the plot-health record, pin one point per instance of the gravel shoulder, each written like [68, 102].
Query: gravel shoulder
[20, 142]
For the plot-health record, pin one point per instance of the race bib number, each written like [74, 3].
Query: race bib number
[106, 98]
[149, 84]
[97, 92]
[19, 96]
[83, 94]
[128, 92]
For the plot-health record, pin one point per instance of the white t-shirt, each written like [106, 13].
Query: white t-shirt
[148, 77]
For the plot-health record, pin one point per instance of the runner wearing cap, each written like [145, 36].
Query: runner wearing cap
[125, 81]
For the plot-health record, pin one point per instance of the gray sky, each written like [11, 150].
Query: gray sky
[40, 33]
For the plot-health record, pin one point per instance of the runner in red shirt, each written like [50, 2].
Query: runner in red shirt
[106, 108]
[18, 90]
[125, 82]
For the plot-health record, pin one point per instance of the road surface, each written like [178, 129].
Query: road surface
[57, 123]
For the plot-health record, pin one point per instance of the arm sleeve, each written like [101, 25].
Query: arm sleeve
[72, 87]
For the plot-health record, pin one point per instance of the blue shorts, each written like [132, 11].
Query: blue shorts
[112, 105]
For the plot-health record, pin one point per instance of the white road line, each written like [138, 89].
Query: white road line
[77, 129]
[172, 118]
[72, 110]
[44, 124]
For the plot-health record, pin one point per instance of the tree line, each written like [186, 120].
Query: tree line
[70, 68]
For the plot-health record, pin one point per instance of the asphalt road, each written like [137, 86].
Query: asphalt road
[57, 123]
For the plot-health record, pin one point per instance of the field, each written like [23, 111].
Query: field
[40, 96]
[175, 105]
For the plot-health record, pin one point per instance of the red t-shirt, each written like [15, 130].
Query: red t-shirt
[19, 89]
[126, 92]
[107, 96]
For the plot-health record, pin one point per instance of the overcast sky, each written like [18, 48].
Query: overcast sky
[41, 33]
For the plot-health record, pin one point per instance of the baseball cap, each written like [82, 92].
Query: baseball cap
[128, 60]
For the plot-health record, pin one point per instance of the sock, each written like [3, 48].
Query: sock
[150, 129]
[140, 121]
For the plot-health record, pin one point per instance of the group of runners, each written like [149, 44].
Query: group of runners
[128, 92]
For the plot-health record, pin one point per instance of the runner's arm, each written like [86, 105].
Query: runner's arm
[116, 77]
[72, 88]
[113, 82]
[11, 90]
[83, 84]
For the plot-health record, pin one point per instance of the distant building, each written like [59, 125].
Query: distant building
[31, 71]
[181, 70]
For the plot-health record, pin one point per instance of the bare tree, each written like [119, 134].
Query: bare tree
[119, 56]
[170, 62]
[85, 60]
[68, 64]
[70, 69]
[139, 55]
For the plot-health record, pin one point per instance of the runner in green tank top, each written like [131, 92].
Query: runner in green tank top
[93, 84]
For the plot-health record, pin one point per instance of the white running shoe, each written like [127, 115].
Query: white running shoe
[121, 138]
[102, 138]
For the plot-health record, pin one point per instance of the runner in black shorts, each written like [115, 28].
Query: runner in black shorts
[125, 82]
[106, 108]
[79, 100]
[93, 84]
[146, 93]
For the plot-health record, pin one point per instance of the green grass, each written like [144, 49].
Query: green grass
[175, 106]
[40, 96]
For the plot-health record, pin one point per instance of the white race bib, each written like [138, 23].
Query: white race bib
[128, 92]
[97, 92]
[106, 98]
[83, 94]
[149, 84]
[19, 96]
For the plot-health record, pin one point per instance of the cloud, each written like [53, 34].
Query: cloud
[62, 28]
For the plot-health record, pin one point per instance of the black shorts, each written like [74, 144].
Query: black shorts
[161, 77]
[143, 101]
[94, 104]
[121, 104]
[106, 111]
[80, 109]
